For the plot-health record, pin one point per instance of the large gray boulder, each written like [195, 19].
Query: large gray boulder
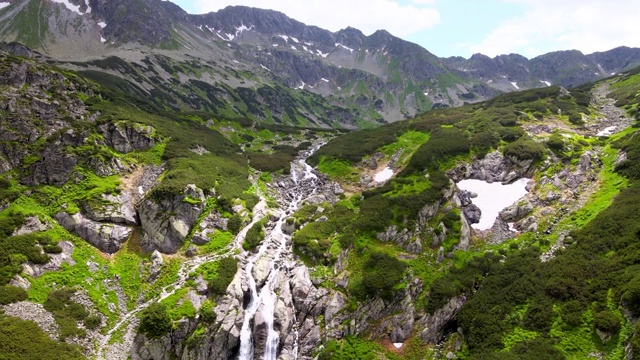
[106, 237]
[167, 222]
[113, 208]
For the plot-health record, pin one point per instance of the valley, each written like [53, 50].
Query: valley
[239, 185]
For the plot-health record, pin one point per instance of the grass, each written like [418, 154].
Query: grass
[219, 240]
[337, 169]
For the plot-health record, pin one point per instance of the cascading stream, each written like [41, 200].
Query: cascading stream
[275, 246]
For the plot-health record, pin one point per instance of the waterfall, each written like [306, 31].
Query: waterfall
[274, 246]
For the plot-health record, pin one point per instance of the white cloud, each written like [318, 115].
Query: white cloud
[549, 25]
[365, 15]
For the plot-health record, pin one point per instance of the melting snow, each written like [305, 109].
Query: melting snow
[4, 5]
[301, 85]
[545, 82]
[242, 28]
[398, 345]
[285, 37]
[210, 28]
[325, 80]
[384, 175]
[493, 197]
[515, 85]
[295, 40]
[264, 67]
[236, 61]
[321, 54]
[103, 25]
[71, 7]
[606, 131]
[426, 93]
[512, 227]
[102, 40]
[293, 47]
[344, 47]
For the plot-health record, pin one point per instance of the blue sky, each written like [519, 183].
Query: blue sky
[464, 27]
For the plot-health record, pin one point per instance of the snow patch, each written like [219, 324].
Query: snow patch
[295, 40]
[512, 227]
[398, 345]
[285, 37]
[493, 197]
[264, 67]
[236, 61]
[103, 24]
[293, 47]
[384, 175]
[344, 47]
[4, 5]
[72, 7]
[426, 93]
[515, 85]
[545, 82]
[301, 86]
[325, 80]
[102, 40]
[606, 131]
[321, 54]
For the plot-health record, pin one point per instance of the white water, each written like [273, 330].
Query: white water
[493, 198]
[274, 246]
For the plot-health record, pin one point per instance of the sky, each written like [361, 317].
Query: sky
[465, 27]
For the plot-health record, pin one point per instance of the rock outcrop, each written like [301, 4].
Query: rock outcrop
[493, 167]
[104, 236]
[126, 137]
[167, 222]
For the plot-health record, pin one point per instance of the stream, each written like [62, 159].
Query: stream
[276, 247]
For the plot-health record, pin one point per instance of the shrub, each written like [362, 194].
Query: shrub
[235, 224]
[10, 294]
[226, 271]
[606, 321]
[92, 322]
[382, 272]
[155, 321]
[524, 149]
[254, 237]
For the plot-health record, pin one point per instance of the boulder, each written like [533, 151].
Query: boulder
[472, 213]
[32, 224]
[516, 211]
[126, 137]
[106, 237]
[117, 209]
[167, 222]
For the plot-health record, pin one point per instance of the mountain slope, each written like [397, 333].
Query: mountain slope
[361, 80]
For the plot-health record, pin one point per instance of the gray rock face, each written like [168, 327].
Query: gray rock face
[493, 167]
[55, 168]
[166, 223]
[117, 209]
[127, 137]
[165, 348]
[55, 261]
[433, 324]
[31, 225]
[516, 211]
[472, 213]
[106, 237]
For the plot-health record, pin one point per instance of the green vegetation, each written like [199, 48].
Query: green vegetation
[227, 269]
[254, 236]
[66, 312]
[155, 320]
[21, 339]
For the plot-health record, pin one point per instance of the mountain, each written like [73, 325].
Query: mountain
[146, 213]
[256, 58]
[203, 237]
